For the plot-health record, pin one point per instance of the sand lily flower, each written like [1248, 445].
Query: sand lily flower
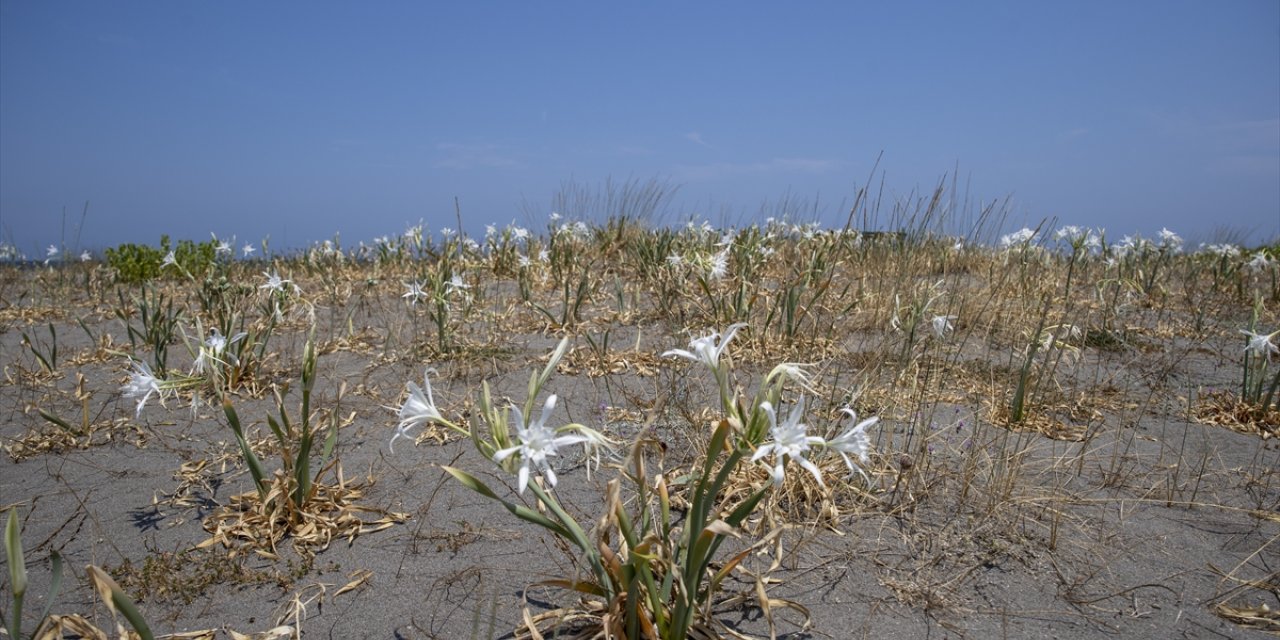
[141, 385]
[1070, 233]
[1021, 237]
[247, 250]
[789, 440]
[274, 282]
[213, 348]
[537, 443]
[1260, 262]
[718, 266]
[793, 371]
[456, 285]
[1170, 240]
[854, 440]
[1260, 345]
[709, 348]
[169, 260]
[941, 325]
[418, 410]
[414, 292]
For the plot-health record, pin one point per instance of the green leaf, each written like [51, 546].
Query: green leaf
[59, 422]
[54, 587]
[251, 460]
[520, 511]
[120, 601]
[330, 442]
[17, 572]
[275, 429]
[13, 553]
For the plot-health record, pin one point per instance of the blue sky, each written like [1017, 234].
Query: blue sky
[299, 120]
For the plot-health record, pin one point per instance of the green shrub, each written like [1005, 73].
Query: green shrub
[140, 262]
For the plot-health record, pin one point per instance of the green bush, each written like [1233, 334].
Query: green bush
[140, 262]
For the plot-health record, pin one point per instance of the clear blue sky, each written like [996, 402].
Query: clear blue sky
[298, 120]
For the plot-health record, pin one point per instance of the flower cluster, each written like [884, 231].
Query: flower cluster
[535, 442]
[789, 439]
[1019, 238]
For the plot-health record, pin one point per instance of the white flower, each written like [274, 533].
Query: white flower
[854, 440]
[1070, 233]
[414, 292]
[169, 259]
[142, 383]
[675, 260]
[213, 348]
[446, 232]
[592, 446]
[51, 252]
[1126, 245]
[709, 348]
[523, 260]
[1056, 336]
[789, 440]
[537, 443]
[1170, 240]
[85, 256]
[1223, 250]
[719, 265]
[456, 285]
[519, 233]
[794, 371]
[941, 325]
[1259, 262]
[274, 282]
[223, 248]
[418, 409]
[544, 255]
[1260, 345]
[247, 250]
[1021, 236]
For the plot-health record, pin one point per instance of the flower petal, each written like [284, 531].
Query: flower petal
[523, 477]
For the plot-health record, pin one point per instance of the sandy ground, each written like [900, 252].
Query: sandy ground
[1142, 529]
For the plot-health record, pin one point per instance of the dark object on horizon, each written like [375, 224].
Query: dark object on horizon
[884, 236]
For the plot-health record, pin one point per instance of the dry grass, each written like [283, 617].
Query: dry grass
[958, 485]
